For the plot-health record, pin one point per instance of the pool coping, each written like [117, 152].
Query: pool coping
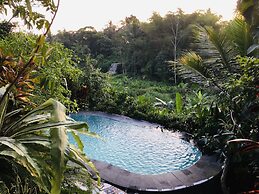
[202, 171]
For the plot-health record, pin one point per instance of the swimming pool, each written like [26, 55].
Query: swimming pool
[136, 146]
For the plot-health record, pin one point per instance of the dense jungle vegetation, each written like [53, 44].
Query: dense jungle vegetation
[200, 68]
[192, 73]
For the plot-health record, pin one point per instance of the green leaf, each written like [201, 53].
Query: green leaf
[220, 41]
[37, 127]
[82, 128]
[80, 158]
[194, 62]
[11, 114]
[21, 155]
[3, 108]
[252, 48]
[78, 140]
[31, 166]
[59, 143]
[244, 5]
[43, 141]
[41, 40]
[45, 107]
[28, 6]
[178, 103]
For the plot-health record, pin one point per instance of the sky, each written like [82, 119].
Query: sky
[73, 15]
[76, 14]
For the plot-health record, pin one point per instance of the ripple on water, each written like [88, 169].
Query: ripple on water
[135, 146]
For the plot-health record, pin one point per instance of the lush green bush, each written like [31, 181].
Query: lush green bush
[201, 114]
[242, 102]
[34, 144]
[232, 114]
[55, 68]
[137, 98]
[90, 89]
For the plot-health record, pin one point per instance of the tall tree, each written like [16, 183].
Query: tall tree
[178, 34]
[28, 11]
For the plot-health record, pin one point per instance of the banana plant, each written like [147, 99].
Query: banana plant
[170, 105]
[34, 144]
[38, 142]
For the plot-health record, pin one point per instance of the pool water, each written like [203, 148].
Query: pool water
[135, 146]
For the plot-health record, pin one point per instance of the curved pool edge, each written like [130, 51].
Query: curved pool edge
[179, 134]
[184, 136]
[121, 118]
[205, 169]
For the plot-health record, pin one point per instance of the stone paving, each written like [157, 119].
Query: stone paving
[205, 169]
[109, 189]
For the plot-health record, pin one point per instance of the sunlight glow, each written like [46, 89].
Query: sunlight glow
[76, 14]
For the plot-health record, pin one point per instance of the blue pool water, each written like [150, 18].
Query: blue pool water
[138, 147]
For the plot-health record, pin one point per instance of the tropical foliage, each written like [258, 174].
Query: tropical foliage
[233, 76]
[34, 148]
[55, 68]
[142, 48]
[206, 84]
[28, 11]
[37, 141]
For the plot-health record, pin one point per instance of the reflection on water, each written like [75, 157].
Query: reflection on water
[136, 146]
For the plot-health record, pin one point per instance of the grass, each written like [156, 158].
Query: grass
[138, 87]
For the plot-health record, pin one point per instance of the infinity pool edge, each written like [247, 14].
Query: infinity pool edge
[202, 171]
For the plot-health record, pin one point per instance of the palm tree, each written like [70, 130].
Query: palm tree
[216, 52]
[250, 11]
[216, 62]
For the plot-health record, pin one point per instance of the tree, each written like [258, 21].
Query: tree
[131, 35]
[179, 33]
[216, 50]
[250, 10]
[143, 48]
[26, 11]
[229, 73]
[110, 30]
[5, 28]
[55, 67]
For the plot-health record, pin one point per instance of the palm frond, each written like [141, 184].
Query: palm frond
[216, 51]
[194, 63]
[220, 41]
[239, 33]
